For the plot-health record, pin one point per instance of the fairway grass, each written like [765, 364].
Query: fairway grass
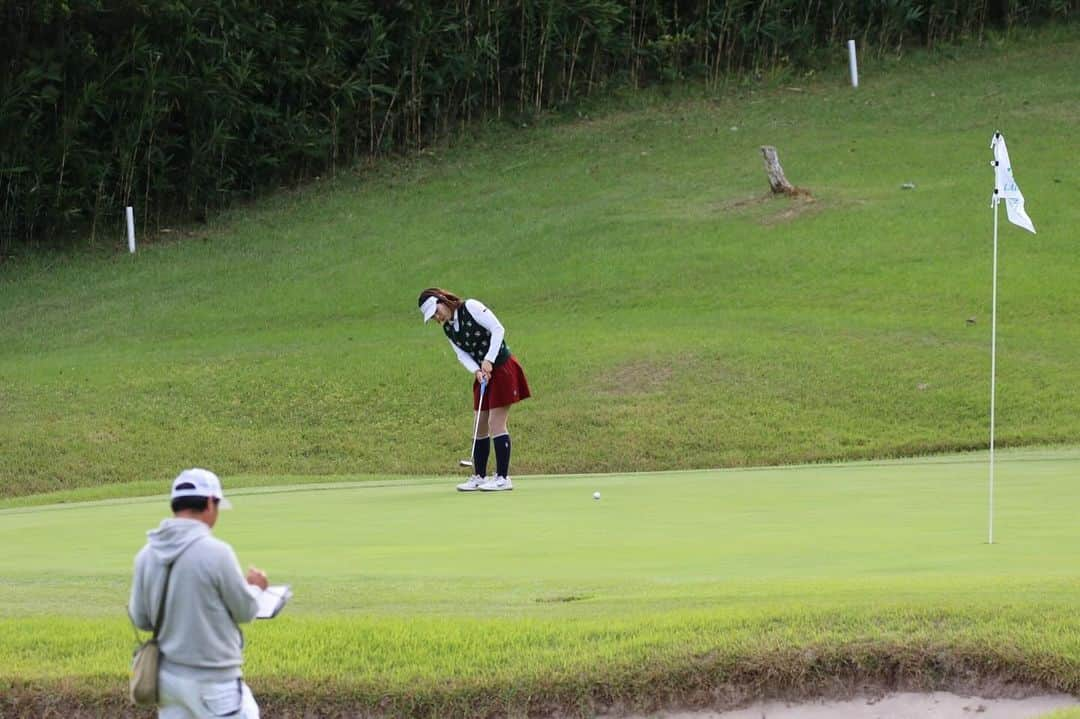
[699, 587]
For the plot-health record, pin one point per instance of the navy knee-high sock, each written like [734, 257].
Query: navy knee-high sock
[502, 455]
[481, 450]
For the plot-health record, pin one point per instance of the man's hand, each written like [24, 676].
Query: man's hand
[257, 577]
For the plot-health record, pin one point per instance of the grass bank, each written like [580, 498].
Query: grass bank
[668, 313]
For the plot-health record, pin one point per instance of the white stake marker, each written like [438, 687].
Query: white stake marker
[854, 65]
[131, 229]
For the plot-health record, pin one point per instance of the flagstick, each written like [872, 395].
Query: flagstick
[993, 367]
[1005, 188]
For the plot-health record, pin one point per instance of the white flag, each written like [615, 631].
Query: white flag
[1005, 187]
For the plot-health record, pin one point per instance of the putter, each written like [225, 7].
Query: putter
[476, 428]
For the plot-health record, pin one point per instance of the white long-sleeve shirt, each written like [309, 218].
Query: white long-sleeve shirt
[486, 319]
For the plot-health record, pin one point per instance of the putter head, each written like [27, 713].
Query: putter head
[464, 462]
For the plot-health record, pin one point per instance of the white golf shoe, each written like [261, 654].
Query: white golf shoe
[472, 484]
[497, 484]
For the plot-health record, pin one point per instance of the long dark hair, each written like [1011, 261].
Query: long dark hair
[447, 297]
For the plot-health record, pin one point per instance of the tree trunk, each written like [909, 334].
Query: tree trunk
[777, 182]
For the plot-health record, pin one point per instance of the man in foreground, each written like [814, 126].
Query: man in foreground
[208, 595]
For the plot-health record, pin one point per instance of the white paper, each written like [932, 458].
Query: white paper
[272, 599]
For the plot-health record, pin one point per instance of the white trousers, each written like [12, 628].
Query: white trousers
[183, 698]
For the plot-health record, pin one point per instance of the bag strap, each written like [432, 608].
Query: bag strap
[164, 594]
[165, 589]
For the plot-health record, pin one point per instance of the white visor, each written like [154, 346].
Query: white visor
[428, 308]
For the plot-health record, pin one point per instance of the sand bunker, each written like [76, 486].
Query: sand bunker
[900, 705]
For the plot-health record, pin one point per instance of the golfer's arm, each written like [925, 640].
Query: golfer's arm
[464, 358]
[487, 319]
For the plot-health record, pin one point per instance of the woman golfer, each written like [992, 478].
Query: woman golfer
[477, 338]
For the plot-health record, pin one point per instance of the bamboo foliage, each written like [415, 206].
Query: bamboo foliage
[178, 107]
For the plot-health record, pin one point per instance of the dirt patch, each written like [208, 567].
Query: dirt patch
[774, 209]
[797, 206]
[643, 377]
[743, 203]
[640, 377]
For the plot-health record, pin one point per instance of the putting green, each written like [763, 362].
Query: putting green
[823, 533]
[450, 604]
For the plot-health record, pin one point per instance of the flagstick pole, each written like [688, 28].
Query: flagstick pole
[993, 367]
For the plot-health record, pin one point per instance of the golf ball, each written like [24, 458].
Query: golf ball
[596, 495]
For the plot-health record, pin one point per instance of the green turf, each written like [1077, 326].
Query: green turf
[667, 313]
[407, 588]
[669, 317]
[1071, 713]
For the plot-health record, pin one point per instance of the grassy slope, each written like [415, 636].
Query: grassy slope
[430, 603]
[668, 315]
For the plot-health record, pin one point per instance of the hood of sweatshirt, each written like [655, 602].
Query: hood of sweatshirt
[173, 535]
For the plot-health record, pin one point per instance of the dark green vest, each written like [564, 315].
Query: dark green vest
[473, 337]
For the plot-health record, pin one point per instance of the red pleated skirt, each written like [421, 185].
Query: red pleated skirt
[507, 386]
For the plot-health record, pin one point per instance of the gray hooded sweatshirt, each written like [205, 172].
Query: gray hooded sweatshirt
[208, 597]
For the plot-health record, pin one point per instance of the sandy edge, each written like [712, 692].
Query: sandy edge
[893, 705]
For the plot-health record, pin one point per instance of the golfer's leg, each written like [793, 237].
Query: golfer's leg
[481, 445]
[496, 420]
[500, 439]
